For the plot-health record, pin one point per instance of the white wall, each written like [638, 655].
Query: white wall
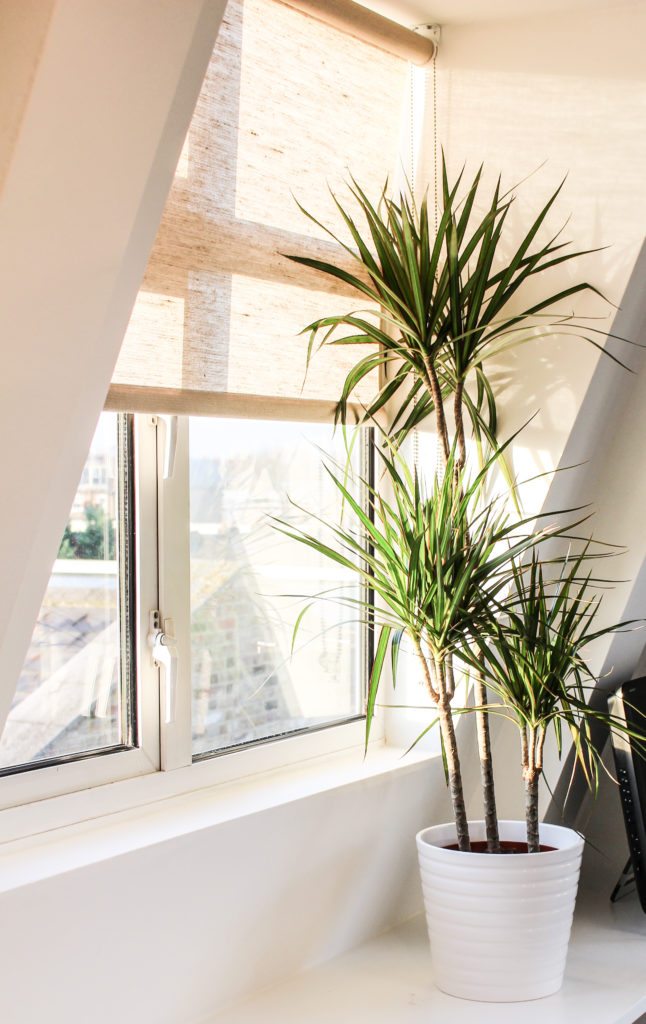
[23, 28]
[169, 933]
[570, 91]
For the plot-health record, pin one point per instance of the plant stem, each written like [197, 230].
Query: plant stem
[428, 678]
[452, 761]
[435, 678]
[486, 767]
[539, 749]
[459, 426]
[480, 690]
[531, 811]
[531, 774]
[449, 677]
[524, 755]
[440, 418]
[444, 681]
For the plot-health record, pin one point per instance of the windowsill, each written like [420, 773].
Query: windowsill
[389, 981]
[58, 850]
[60, 795]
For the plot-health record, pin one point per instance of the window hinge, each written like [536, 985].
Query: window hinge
[164, 654]
[170, 445]
[170, 442]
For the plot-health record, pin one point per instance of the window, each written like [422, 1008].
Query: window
[171, 524]
[168, 551]
[86, 706]
[232, 587]
[248, 584]
[75, 693]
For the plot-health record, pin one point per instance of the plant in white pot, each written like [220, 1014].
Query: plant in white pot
[449, 302]
[443, 559]
[443, 565]
[532, 655]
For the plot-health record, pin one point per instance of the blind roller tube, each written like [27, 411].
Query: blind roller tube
[153, 401]
[369, 27]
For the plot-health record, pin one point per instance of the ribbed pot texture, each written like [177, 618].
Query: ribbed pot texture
[499, 924]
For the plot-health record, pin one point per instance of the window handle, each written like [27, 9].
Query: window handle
[170, 445]
[164, 655]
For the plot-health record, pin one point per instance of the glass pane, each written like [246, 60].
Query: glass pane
[247, 583]
[70, 695]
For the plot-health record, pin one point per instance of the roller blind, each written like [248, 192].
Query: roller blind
[289, 107]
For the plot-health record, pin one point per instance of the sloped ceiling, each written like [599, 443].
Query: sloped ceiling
[91, 162]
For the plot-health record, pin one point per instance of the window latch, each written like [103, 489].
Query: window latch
[164, 654]
[170, 445]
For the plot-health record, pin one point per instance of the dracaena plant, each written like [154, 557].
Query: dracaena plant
[438, 562]
[449, 300]
[534, 660]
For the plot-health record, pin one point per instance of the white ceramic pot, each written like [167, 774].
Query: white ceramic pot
[499, 924]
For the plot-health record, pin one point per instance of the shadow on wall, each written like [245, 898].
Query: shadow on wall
[605, 447]
[608, 438]
[604, 423]
[567, 92]
[560, 97]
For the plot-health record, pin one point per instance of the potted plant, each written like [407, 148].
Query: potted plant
[448, 565]
[445, 301]
[532, 656]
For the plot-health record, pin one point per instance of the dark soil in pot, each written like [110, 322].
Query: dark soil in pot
[506, 846]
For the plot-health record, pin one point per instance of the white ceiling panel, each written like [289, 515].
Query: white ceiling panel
[444, 12]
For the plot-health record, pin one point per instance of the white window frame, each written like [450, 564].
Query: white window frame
[162, 766]
[97, 769]
[174, 594]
